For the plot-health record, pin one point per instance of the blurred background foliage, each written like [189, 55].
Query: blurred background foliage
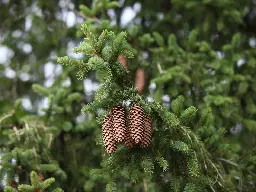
[204, 50]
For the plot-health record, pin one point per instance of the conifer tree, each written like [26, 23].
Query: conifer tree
[174, 110]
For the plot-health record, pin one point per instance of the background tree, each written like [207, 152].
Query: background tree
[198, 58]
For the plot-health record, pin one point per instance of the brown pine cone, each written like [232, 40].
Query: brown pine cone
[123, 61]
[119, 123]
[41, 177]
[108, 135]
[145, 142]
[128, 142]
[136, 124]
[140, 80]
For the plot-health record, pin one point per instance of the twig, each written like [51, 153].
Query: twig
[186, 132]
[205, 166]
[145, 185]
[26, 126]
[212, 188]
[50, 140]
[228, 161]
[16, 132]
[159, 68]
[216, 170]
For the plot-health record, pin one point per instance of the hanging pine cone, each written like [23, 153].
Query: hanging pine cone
[108, 135]
[128, 142]
[119, 123]
[145, 142]
[140, 80]
[123, 60]
[136, 117]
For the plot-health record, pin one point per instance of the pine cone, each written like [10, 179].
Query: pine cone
[136, 124]
[108, 135]
[119, 123]
[145, 142]
[123, 61]
[128, 142]
[41, 177]
[140, 80]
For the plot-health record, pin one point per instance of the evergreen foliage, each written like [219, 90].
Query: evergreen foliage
[36, 185]
[199, 63]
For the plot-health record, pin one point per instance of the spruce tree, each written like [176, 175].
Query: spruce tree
[174, 109]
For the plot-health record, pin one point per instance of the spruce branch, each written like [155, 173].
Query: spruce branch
[102, 54]
[36, 185]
